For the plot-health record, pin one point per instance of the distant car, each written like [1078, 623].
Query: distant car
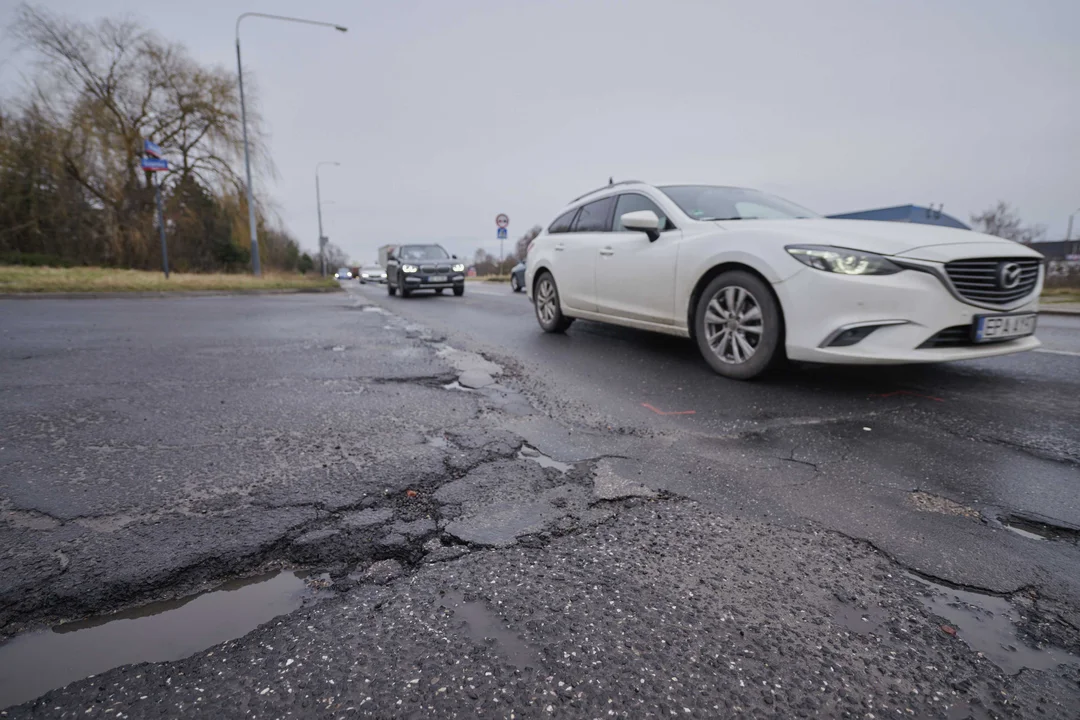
[424, 267]
[373, 274]
[753, 278]
[517, 277]
[343, 274]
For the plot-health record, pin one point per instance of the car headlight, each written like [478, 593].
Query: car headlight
[842, 260]
[458, 268]
[409, 268]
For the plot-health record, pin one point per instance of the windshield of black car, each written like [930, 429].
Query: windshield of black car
[423, 252]
[710, 202]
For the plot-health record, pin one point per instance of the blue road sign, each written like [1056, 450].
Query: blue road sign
[501, 234]
[151, 149]
[155, 164]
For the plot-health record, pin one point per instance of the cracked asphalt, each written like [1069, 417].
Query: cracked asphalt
[508, 527]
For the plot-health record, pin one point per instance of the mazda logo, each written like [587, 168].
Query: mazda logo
[1008, 275]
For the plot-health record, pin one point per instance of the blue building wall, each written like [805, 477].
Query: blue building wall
[905, 213]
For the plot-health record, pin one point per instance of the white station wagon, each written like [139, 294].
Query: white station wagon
[754, 279]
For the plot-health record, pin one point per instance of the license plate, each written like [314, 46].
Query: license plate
[1002, 327]
[437, 278]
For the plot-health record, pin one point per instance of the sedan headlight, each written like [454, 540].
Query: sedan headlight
[409, 268]
[458, 268]
[842, 260]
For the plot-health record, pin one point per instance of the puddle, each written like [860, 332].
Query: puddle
[862, 622]
[1023, 533]
[484, 627]
[36, 662]
[1035, 530]
[988, 625]
[531, 453]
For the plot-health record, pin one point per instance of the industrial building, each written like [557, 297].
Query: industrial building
[906, 213]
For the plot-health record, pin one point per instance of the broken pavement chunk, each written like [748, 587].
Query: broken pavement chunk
[607, 485]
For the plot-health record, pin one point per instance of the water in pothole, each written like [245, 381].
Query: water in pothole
[36, 662]
[485, 628]
[987, 624]
[531, 453]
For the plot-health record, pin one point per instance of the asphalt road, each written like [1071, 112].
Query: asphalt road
[494, 522]
[856, 450]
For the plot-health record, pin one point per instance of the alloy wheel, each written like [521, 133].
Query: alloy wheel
[545, 301]
[734, 325]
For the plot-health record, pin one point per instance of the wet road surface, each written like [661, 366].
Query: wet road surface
[929, 463]
[542, 529]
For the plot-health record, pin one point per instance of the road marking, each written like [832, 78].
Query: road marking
[1070, 353]
[671, 412]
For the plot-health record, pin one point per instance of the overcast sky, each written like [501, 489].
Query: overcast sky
[444, 113]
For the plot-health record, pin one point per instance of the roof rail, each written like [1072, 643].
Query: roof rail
[605, 187]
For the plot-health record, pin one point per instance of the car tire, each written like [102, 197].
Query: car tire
[390, 289]
[459, 291]
[747, 337]
[514, 284]
[439, 291]
[548, 308]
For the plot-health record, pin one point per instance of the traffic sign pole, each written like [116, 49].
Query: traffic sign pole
[161, 229]
[502, 221]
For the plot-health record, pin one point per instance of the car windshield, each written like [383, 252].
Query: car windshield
[342, 271]
[373, 269]
[711, 202]
[423, 252]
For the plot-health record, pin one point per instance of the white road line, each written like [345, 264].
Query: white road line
[1070, 353]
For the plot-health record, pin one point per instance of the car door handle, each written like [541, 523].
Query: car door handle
[560, 247]
[607, 251]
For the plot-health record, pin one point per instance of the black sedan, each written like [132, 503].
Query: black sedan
[517, 277]
[424, 267]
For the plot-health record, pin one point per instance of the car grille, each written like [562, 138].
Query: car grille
[435, 268]
[980, 280]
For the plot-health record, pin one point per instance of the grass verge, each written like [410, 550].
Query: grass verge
[1060, 295]
[21, 279]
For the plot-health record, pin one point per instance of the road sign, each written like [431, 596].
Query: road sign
[501, 234]
[502, 220]
[155, 164]
[151, 149]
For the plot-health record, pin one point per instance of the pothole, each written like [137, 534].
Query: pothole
[531, 453]
[987, 624]
[36, 662]
[928, 502]
[480, 624]
[1035, 530]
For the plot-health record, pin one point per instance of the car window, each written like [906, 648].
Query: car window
[633, 202]
[562, 223]
[423, 252]
[595, 216]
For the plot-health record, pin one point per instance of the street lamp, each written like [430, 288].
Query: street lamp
[318, 205]
[1068, 233]
[243, 117]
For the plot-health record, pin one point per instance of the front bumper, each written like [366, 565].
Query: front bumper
[415, 281]
[816, 304]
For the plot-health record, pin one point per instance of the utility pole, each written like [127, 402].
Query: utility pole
[161, 229]
[318, 204]
[255, 267]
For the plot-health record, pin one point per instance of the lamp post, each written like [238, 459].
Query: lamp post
[255, 267]
[318, 206]
[1068, 233]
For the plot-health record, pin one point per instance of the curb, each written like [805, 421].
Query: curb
[138, 294]
[1058, 311]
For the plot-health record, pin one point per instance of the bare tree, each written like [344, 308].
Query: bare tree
[1002, 221]
[522, 246]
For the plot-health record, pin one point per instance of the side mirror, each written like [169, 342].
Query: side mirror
[643, 220]
[453, 257]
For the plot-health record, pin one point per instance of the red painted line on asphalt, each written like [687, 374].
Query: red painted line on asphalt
[894, 393]
[672, 412]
